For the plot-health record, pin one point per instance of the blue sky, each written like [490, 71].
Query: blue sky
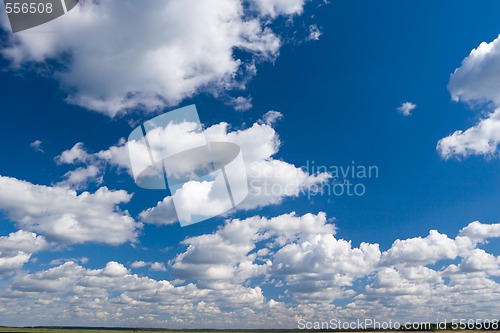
[74, 80]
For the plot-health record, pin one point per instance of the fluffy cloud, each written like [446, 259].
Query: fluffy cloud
[309, 267]
[478, 232]
[476, 80]
[475, 83]
[166, 55]
[17, 248]
[63, 215]
[481, 139]
[422, 251]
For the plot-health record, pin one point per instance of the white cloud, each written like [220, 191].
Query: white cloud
[16, 249]
[478, 261]
[77, 154]
[226, 255]
[63, 215]
[37, 145]
[79, 178]
[422, 251]
[475, 83]
[271, 117]
[114, 269]
[91, 166]
[241, 103]
[158, 266]
[406, 108]
[481, 139]
[166, 55]
[478, 232]
[275, 8]
[476, 80]
[154, 266]
[22, 241]
[139, 264]
[11, 263]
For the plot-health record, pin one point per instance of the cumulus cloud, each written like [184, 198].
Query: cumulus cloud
[16, 249]
[481, 139]
[310, 266]
[65, 216]
[479, 232]
[406, 108]
[422, 251]
[139, 264]
[77, 154]
[166, 55]
[475, 83]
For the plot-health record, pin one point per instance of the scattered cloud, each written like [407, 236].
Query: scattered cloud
[274, 8]
[241, 103]
[139, 264]
[77, 154]
[158, 69]
[406, 108]
[475, 83]
[481, 139]
[37, 145]
[477, 78]
[153, 266]
[64, 216]
[314, 32]
[271, 117]
[158, 266]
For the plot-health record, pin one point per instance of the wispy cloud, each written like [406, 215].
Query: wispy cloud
[37, 145]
